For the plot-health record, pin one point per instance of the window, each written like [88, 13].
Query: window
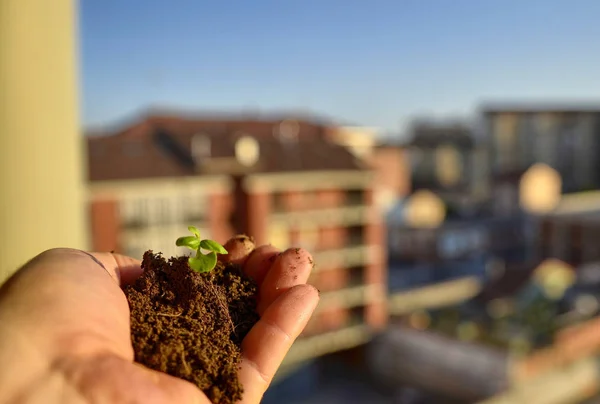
[448, 165]
[526, 139]
[547, 137]
[355, 235]
[504, 128]
[201, 147]
[134, 212]
[455, 243]
[163, 214]
[194, 207]
[355, 197]
[423, 165]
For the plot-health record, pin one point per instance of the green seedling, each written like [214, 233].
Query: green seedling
[201, 262]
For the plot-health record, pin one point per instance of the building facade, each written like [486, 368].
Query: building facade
[565, 139]
[569, 233]
[447, 159]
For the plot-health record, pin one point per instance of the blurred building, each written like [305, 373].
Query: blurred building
[361, 141]
[569, 232]
[455, 240]
[447, 160]
[434, 363]
[280, 181]
[390, 162]
[564, 138]
[392, 174]
[454, 233]
[427, 248]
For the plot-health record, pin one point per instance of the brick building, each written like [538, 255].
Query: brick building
[392, 180]
[280, 181]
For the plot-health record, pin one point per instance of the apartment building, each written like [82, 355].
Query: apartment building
[390, 162]
[140, 197]
[392, 174]
[564, 138]
[447, 159]
[281, 181]
[569, 232]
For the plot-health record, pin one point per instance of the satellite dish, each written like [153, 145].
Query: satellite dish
[247, 151]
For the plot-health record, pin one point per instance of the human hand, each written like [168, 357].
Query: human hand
[65, 331]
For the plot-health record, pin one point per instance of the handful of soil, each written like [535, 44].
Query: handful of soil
[190, 325]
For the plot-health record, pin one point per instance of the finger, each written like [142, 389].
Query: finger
[239, 248]
[260, 261]
[123, 269]
[290, 268]
[267, 343]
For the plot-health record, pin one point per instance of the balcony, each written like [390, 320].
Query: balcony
[347, 257]
[349, 298]
[434, 296]
[345, 216]
[353, 335]
[159, 238]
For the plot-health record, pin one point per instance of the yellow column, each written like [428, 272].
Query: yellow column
[41, 161]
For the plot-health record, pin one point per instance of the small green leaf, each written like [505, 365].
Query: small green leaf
[211, 245]
[197, 264]
[203, 263]
[189, 242]
[194, 231]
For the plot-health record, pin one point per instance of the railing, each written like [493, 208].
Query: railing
[345, 215]
[438, 295]
[311, 347]
[160, 238]
[346, 257]
[348, 298]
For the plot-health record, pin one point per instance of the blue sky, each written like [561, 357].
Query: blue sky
[376, 63]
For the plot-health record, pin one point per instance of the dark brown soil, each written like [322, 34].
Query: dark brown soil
[191, 325]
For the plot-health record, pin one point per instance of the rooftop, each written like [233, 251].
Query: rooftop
[167, 146]
[541, 107]
[430, 135]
